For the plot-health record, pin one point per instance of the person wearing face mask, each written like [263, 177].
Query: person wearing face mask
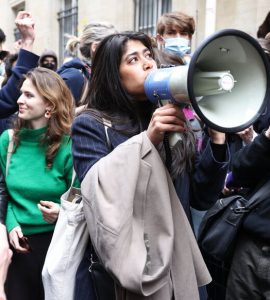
[48, 60]
[174, 34]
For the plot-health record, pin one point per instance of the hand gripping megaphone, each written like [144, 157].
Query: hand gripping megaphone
[227, 81]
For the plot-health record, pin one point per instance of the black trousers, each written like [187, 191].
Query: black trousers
[249, 276]
[24, 281]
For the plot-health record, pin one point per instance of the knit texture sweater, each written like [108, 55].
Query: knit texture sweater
[29, 180]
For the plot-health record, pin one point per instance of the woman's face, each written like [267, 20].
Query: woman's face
[136, 63]
[32, 106]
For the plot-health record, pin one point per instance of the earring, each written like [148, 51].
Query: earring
[47, 114]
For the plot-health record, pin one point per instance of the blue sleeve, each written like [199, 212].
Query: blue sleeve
[208, 177]
[74, 79]
[88, 143]
[10, 93]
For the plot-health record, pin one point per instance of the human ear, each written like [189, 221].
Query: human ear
[93, 47]
[160, 39]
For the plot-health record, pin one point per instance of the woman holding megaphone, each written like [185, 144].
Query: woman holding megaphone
[131, 176]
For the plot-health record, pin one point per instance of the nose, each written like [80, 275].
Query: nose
[20, 100]
[148, 64]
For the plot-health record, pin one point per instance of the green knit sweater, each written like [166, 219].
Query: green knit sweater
[29, 181]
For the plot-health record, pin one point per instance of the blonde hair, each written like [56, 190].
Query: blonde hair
[55, 92]
[93, 32]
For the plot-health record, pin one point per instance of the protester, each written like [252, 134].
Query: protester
[26, 61]
[264, 119]
[249, 276]
[8, 104]
[174, 34]
[39, 172]
[77, 72]
[48, 59]
[120, 66]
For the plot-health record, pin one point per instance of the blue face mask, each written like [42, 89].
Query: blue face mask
[179, 46]
[2, 69]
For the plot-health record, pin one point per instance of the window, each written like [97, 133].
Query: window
[68, 22]
[16, 7]
[147, 13]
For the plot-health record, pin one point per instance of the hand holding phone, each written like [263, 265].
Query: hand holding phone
[18, 241]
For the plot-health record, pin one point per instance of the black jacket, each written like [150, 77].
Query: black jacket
[250, 167]
[3, 198]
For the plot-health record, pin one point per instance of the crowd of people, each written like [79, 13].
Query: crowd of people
[142, 197]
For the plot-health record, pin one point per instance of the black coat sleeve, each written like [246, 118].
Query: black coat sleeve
[252, 163]
[3, 198]
[209, 175]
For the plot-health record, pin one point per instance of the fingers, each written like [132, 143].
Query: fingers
[14, 236]
[25, 21]
[170, 110]
[23, 14]
[49, 210]
[26, 25]
[168, 118]
[48, 204]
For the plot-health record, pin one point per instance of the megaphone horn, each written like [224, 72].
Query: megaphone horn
[227, 81]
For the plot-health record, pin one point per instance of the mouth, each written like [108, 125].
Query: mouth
[21, 110]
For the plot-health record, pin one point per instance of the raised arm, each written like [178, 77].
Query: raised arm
[26, 61]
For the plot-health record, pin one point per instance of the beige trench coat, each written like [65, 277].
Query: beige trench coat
[138, 226]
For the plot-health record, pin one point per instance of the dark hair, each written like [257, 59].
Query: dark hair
[2, 36]
[9, 61]
[106, 93]
[108, 99]
[264, 28]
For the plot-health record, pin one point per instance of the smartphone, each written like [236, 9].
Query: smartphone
[24, 243]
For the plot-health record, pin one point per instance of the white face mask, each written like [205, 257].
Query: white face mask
[179, 46]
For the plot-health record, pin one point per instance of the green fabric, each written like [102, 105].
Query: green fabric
[29, 181]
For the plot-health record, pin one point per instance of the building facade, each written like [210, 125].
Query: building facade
[55, 19]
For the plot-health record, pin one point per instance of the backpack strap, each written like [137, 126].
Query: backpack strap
[10, 148]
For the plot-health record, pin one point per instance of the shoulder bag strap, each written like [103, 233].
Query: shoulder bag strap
[10, 148]
[259, 194]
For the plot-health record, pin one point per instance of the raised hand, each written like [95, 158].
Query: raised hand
[26, 26]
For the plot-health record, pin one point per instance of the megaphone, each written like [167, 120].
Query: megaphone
[226, 82]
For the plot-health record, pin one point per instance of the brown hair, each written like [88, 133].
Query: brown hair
[56, 93]
[183, 22]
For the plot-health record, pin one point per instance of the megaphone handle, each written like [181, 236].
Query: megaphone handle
[172, 137]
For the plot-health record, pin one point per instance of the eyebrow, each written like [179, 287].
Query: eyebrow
[135, 53]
